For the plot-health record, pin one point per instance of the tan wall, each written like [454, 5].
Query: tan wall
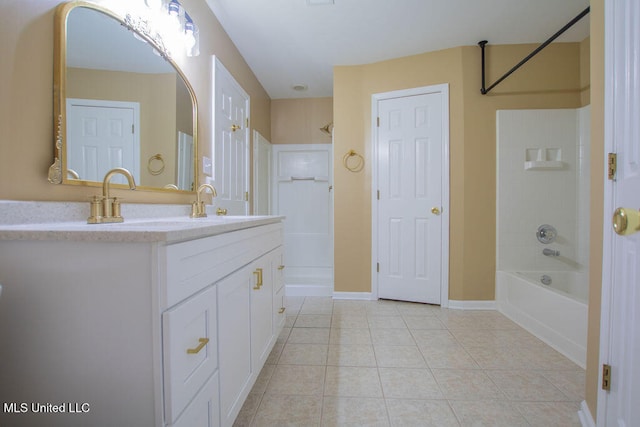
[26, 105]
[550, 80]
[298, 121]
[597, 201]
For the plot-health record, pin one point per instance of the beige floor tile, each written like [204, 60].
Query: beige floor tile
[351, 355]
[571, 383]
[322, 306]
[546, 358]
[448, 357]
[297, 380]
[350, 336]
[501, 358]
[262, 381]
[274, 356]
[313, 321]
[482, 413]
[526, 386]
[423, 322]
[386, 322]
[434, 338]
[349, 308]
[375, 308]
[290, 320]
[392, 337]
[345, 321]
[409, 309]
[399, 356]
[423, 413]
[404, 383]
[304, 354]
[354, 411]
[352, 381]
[309, 336]
[248, 410]
[550, 414]
[278, 411]
[466, 384]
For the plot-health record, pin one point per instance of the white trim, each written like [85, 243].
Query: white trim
[365, 296]
[584, 414]
[302, 290]
[375, 98]
[472, 305]
[607, 243]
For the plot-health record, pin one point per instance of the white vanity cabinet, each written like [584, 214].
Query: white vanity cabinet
[135, 329]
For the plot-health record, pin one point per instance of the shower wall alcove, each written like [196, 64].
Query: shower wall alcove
[543, 179]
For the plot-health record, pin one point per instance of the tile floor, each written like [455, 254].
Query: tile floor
[389, 363]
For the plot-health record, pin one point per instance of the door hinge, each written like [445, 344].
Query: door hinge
[378, 267]
[247, 121]
[133, 129]
[378, 194]
[612, 166]
[246, 196]
[606, 377]
[378, 121]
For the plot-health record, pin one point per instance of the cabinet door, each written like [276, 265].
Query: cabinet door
[204, 410]
[261, 311]
[189, 333]
[277, 269]
[234, 341]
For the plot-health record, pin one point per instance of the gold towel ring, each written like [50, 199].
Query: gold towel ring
[353, 167]
[159, 170]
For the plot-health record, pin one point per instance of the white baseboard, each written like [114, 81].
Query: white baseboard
[472, 305]
[585, 415]
[308, 290]
[353, 295]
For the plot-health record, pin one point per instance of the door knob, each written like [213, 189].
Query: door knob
[435, 211]
[221, 211]
[626, 221]
[235, 128]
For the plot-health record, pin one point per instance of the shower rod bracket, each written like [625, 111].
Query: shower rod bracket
[484, 90]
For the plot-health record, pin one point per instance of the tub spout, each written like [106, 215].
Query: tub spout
[550, 252]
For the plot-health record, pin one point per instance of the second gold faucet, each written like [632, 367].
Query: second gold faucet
[198, 209]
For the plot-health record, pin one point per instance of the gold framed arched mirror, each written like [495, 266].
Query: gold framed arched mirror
[119, 101]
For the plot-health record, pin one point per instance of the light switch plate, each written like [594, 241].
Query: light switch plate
[207, 166]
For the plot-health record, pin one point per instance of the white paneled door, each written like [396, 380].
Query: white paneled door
[302, 192]
[410, 165]
[102, 135]
[620, 324]
[231, 142]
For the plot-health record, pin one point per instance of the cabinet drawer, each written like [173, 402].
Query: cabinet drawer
[195, 264]
[189, 335]
[204, 410]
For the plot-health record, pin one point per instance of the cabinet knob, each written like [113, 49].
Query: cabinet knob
[281, 267]
[282, 309]
[203, 342]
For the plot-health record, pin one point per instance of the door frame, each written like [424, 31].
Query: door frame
[259, 140]
[375, 99]
[617, 43]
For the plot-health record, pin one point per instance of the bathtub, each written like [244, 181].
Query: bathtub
[557, 313]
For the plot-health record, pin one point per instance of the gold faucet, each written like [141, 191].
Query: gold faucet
[197, 208]
[107, 209]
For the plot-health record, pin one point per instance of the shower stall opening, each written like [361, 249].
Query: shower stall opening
[543, 224]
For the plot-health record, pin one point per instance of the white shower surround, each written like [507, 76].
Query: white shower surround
[528, 198]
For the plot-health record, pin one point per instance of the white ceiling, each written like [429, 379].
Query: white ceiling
[289, 42]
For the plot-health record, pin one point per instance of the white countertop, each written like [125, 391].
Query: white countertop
[137, 227]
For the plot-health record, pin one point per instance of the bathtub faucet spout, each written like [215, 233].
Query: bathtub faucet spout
[550, 252]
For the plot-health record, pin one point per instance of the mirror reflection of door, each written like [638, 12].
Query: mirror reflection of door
[102, 135]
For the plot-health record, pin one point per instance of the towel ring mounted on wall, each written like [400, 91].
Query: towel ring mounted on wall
[356, 166]
[158, 170]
